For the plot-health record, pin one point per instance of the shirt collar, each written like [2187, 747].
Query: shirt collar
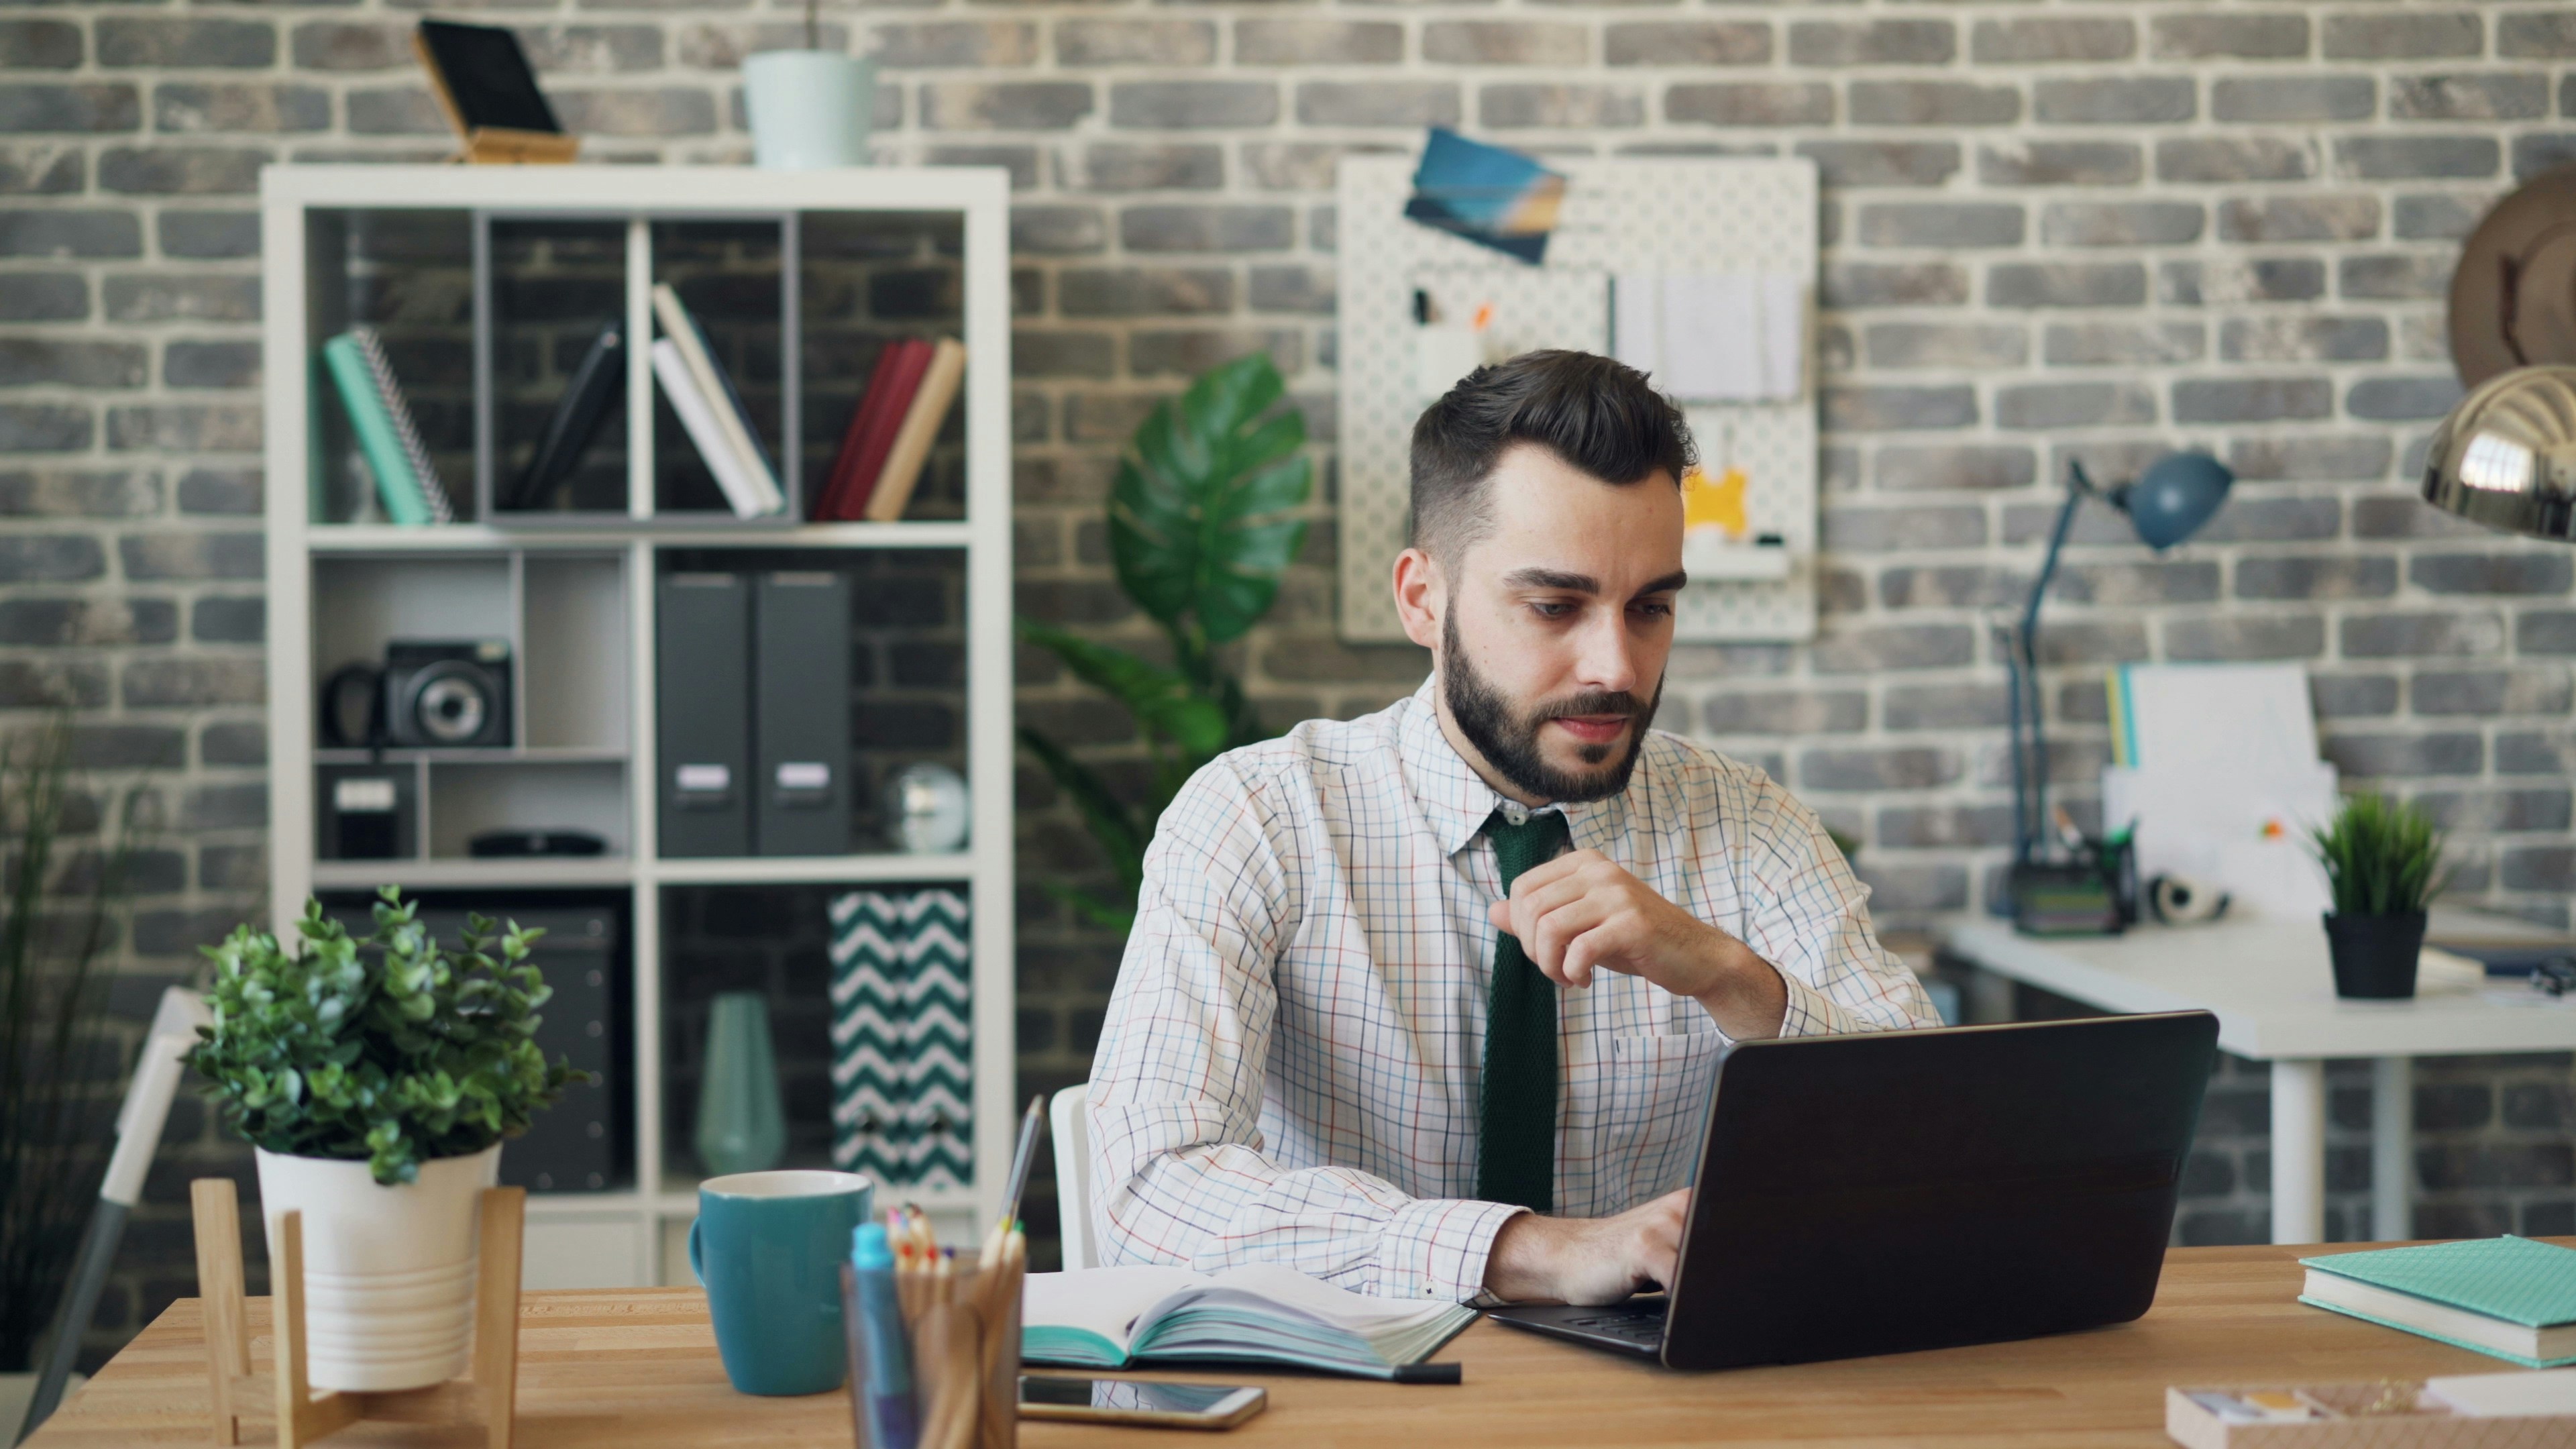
[1457, 802]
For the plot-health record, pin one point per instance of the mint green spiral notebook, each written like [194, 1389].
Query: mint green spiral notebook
[2510, 1297]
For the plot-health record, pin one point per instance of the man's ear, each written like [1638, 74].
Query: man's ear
[1421, 597]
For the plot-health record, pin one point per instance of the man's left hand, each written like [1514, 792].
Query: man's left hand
[1579, 913]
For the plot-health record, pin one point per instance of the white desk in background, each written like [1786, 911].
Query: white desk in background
[2272, 988]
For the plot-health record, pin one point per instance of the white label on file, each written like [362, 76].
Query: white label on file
[697, 779]
[362, 794]
[805, 775]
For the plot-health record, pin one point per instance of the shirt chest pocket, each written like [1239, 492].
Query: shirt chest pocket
[1655, 1108]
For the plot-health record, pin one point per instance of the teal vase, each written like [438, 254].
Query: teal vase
[742, 1122]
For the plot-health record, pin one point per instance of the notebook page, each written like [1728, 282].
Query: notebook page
[1105, 1301]
[1353, 1312]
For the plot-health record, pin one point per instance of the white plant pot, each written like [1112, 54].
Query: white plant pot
[809, 108]
[388, 1271]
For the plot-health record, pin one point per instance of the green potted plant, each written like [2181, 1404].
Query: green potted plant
[1199, 533]
[2383, 865]
[58, 916]
[378, 1077]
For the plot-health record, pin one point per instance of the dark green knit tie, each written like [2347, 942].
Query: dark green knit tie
[1516, 1162]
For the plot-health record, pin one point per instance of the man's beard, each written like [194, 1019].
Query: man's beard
[1510, 741]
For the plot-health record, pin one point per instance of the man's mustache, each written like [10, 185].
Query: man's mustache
[1591, 704]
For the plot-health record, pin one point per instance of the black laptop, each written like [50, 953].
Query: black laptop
[1904, 1190]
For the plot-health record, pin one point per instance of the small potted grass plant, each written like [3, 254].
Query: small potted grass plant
[2383, 865]
[378, 1077]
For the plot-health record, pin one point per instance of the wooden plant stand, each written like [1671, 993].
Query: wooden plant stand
[488, 1397]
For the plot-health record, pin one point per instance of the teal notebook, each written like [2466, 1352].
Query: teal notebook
[2510, 1297]
[380, 438]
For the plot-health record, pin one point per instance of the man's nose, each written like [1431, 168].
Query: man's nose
[1608, 661]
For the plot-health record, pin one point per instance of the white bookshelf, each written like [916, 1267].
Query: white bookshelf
[575, 596]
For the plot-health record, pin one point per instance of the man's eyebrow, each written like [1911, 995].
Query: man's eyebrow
[1670, 583]
[1552, 579]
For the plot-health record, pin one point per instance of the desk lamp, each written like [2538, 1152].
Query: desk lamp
[2167, 504]
[2506, 455]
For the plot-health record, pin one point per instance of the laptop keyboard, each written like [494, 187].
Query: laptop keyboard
[1628, 1325]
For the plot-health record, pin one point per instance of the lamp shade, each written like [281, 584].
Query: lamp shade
[2176, 495]
[2506, 456]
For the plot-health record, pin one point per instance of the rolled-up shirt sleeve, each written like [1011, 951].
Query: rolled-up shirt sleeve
[1811, 922]
[1179, 1168]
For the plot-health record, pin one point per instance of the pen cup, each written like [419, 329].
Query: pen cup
[965, 1365]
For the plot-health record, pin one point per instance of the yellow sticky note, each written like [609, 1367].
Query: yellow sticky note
[1718, 505]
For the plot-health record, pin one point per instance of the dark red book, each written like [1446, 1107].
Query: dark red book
[853, 436]
[903, 370]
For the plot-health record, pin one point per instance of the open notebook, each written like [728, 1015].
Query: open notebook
[1113, 1317]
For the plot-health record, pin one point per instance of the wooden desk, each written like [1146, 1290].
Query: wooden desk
[620, 1369]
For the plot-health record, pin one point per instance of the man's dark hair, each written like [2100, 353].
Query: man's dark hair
[1598, 414]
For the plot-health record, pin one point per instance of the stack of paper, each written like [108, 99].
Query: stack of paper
[2217, 768]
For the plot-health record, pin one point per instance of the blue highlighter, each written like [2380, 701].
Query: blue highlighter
[892, 1419]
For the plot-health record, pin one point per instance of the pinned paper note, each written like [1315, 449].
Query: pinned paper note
[1721, 337]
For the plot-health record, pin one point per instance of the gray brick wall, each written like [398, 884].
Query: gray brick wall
[2053, 231]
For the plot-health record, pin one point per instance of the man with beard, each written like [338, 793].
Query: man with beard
[1429, 1003]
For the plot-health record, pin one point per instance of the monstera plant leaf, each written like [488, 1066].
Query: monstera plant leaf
[1160, 699]
[1197, 525]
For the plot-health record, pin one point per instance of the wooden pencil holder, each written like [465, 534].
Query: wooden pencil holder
[488, 1397]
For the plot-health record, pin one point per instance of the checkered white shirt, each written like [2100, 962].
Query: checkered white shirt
[1289, 1071]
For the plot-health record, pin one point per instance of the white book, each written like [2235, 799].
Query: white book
[2527, 1344]
[679, 329]
[1112, 1317]
[699, 418]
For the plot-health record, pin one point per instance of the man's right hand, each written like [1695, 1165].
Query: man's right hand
[1587, 1261]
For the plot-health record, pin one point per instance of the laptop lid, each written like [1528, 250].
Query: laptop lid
[1894, 1191]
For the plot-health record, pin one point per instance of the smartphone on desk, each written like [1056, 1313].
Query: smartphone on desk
[1132, 1401]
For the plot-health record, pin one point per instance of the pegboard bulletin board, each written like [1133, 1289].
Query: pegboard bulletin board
[1696, 216]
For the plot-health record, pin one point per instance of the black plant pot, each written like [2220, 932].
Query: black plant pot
[2375, 956]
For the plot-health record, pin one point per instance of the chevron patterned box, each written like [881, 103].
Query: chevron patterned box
[903, 1047]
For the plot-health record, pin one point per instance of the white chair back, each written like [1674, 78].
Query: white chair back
[1069, 1112]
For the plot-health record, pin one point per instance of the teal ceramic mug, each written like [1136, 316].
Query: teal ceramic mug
[769, 1247]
